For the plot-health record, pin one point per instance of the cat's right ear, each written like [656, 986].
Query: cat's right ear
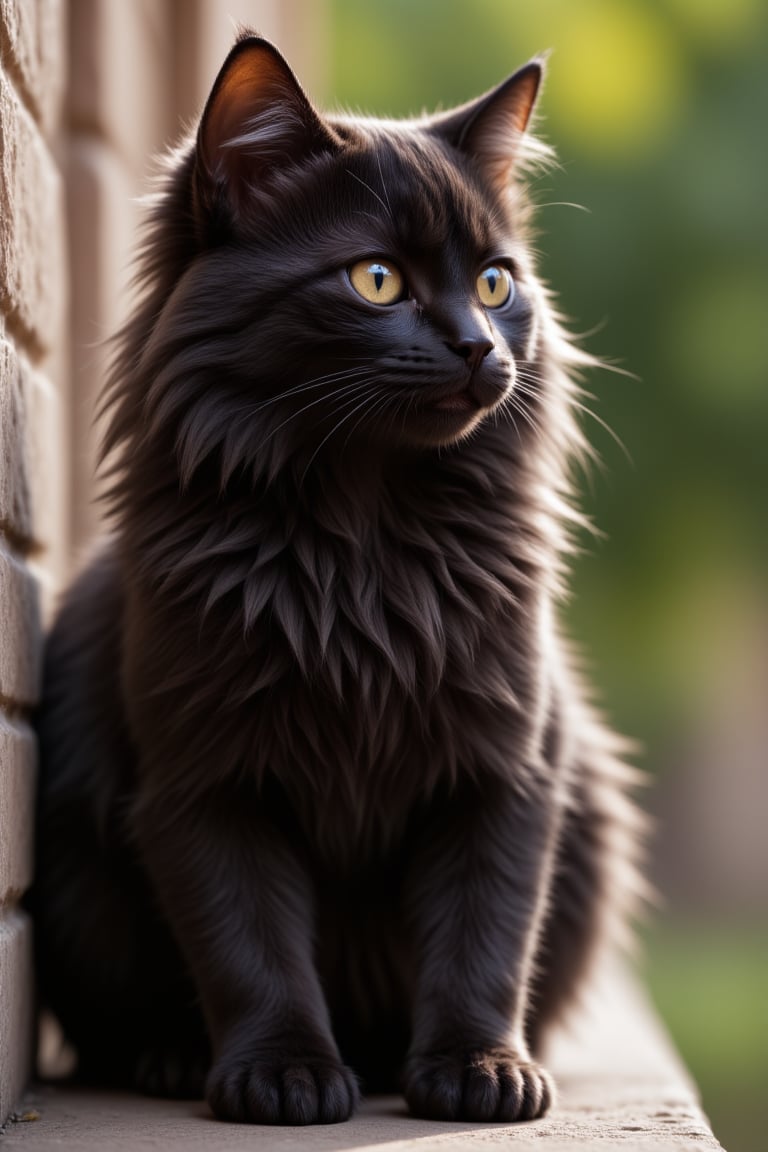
[257, 123]
[492, 130]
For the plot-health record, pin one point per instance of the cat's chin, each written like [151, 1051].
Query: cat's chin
[447, 420]
[445, 426]
[458, 403]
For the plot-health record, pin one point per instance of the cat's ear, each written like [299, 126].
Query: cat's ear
[257, 123]
[491, 130]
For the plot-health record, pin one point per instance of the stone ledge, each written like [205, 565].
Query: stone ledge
[622, 1089]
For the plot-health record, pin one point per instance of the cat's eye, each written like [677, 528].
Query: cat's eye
[376, 281]
[495, 286]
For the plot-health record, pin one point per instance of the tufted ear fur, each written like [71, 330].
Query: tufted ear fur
[491, 129]
[257, 122]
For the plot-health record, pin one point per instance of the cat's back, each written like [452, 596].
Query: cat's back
[84, 746]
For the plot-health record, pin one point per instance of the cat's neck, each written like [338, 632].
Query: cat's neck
[373, 496]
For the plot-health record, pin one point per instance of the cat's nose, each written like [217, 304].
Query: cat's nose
[473, 350]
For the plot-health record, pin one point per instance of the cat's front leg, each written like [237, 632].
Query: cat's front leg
[477, 895]
[240, 904]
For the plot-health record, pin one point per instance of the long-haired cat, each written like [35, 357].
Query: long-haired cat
[320, 797]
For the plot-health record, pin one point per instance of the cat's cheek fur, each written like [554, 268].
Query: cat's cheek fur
[320, 795]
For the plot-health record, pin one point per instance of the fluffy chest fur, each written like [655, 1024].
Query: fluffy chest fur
[361, 641]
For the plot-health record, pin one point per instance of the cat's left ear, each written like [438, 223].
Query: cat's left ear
[491, 129]
[256, 124]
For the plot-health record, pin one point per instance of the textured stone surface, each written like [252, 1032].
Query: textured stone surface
[31, 237]
[30, 35]
[17, 786]
[622, 1089]
[44, 440]
[15, 1006]
[15, 495]
[32, 522]
[19, 631]
[29, 447]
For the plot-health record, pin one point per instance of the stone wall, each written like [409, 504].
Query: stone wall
[32, 473]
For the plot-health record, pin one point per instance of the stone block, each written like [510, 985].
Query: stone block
[31, 226]
[20, 643]
[31, 37]
[45, 435]
[30, 438]
[17, 797]
[16, 1020]
[15, 494]
[122, 77]
[102, 230]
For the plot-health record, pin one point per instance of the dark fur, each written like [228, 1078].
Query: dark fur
[317, 781]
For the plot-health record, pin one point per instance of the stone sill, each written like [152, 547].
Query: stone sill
[621, 1087]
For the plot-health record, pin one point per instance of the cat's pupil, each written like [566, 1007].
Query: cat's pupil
[491, 280]
[376, 282]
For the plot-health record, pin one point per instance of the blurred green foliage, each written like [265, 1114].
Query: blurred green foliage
[657, 109]
[709, 983]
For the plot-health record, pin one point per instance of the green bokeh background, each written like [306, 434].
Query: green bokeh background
[658, 111]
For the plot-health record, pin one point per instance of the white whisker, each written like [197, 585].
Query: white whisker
[348, 387]
[372, 390]
[383, 185]
[372, 191]
[376, 407]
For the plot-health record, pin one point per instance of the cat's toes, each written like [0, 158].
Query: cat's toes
[172, 1073]
[286, 1091]
[480, 1085]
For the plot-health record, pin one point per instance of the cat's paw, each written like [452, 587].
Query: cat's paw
[479, 1085]
[172, 1073]
[282, 1090]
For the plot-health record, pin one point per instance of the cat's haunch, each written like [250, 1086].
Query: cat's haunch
[321, 798]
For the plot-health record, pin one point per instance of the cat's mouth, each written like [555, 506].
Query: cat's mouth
[474, 398]
[449, 416]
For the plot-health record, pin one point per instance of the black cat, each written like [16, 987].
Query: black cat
[319, 790]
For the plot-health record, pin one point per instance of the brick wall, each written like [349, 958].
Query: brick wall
[32, 478]
[89, 91]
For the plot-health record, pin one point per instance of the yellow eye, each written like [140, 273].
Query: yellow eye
[495, 286]
[377, 282]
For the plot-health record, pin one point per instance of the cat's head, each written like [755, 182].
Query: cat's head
[350, 280]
